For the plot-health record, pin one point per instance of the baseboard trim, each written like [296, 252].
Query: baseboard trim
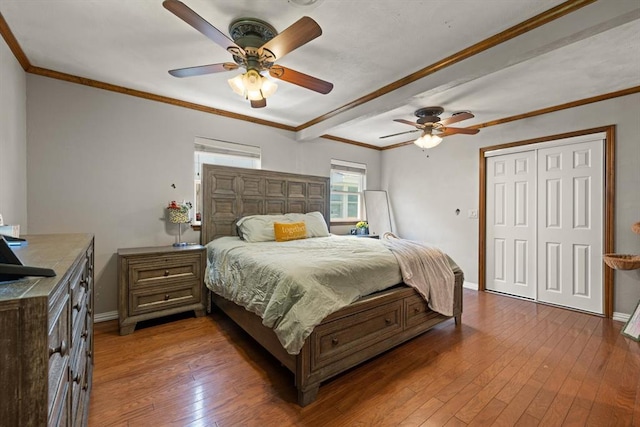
[621, 317]
[104, 317]
[470, 285]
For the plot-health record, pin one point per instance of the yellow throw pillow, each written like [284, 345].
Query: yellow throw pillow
[285, 231]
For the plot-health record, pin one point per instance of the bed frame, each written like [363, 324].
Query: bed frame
[344, 339]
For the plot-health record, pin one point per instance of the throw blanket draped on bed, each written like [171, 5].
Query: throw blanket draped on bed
[426, 269]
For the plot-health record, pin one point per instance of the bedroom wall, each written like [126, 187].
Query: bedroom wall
[13, 140]
[426, 188]
[103, 163]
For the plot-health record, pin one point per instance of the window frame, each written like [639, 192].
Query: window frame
[344, 167]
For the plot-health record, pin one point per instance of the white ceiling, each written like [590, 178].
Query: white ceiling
[365, 45]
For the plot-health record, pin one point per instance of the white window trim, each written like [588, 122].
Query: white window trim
[358, 168]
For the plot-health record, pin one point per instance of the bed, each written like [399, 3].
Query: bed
[345, 338]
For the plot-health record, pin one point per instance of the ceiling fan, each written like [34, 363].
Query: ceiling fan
[434, 128]
[256, 46]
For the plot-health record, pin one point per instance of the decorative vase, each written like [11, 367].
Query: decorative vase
[362, 230]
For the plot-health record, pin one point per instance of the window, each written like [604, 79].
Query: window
[215, 152]
[348, 181]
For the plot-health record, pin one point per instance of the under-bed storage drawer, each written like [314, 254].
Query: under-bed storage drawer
[336, 340]
[417, 311]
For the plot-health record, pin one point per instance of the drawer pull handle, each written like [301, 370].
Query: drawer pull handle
[334, 341]
[62, 349]
[84, 283]
[89, 311]
[89, 353]
[76, 306]
[77, 378]
[85, 333]
[166, 272]
[387, 321]
[416, 310]
[166, 297]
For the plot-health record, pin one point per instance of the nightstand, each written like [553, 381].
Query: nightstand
[159, 281]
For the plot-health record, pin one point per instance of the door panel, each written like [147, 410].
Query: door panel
[570, 231]
[511, 224]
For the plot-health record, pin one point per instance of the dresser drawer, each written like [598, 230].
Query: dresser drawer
[336, 340]
[59, 408]
[78, 379]
[166, 296]
[59, 344]
[159, 270]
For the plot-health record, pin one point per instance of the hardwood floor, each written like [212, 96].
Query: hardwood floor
[511, 363]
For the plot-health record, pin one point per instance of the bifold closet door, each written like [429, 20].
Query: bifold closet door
[511, 224]
[570, 230]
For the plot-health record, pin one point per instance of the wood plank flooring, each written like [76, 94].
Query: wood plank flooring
[511, 363]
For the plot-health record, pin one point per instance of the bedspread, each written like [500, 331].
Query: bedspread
[294, 285]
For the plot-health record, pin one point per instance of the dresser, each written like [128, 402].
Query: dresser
[46, 334]
[159, 281]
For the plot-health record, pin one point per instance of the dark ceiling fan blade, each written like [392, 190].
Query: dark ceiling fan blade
[401, 133]
[300, 79]
[203, 69]
[183, 12]
[456, 118]
[259, 104]
[299, 33]
[453, 131]
[407, 122]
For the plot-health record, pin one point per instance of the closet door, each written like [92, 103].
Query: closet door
[570, 229]
[511, 224]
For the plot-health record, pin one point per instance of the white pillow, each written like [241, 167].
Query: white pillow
[314, 221]
[259, 228]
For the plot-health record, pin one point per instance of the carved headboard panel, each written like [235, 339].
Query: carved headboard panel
[230, 193]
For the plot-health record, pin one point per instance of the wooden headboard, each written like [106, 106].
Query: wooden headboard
[230, 193]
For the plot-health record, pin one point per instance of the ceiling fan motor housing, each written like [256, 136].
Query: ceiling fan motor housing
[250, 34]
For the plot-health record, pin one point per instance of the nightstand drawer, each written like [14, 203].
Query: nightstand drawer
[163, 297]
[162, 269]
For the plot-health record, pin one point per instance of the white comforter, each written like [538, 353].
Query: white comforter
[294, 285]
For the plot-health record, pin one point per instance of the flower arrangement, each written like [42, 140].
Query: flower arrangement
[362, 224]
[179, 212]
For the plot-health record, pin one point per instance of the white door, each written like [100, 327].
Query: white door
[511, 224]
[570, 216]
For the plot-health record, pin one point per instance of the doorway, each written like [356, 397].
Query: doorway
[546, 219]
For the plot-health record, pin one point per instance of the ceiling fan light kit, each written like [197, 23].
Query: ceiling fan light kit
[428, 141]
[256, 46]
[253, 86]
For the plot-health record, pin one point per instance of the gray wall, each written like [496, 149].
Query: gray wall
[13, 140]
[103, 162]
[426, 188]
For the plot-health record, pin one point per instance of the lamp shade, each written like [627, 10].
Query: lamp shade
[428, 141]
[237, 85]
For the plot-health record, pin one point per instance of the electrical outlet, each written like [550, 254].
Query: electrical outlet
[473, 213]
